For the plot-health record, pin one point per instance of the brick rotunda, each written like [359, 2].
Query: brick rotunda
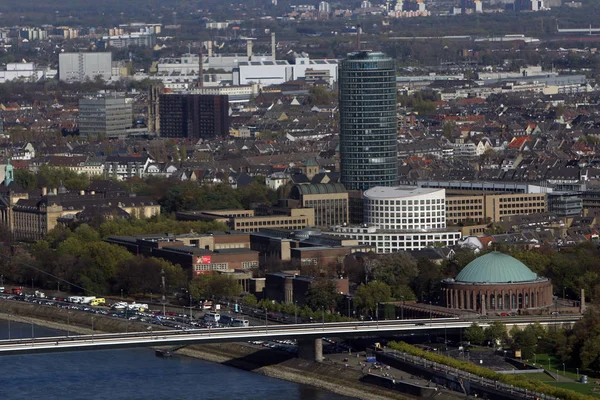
[496, 282]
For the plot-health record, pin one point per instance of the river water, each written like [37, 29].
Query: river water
[132, 374]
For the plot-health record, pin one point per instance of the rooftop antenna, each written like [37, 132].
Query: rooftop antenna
[358, 37]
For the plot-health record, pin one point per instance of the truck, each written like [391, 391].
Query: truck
[99, 301]
[18, 291]
[137, 307]
[87, 299]
[40, 295]
[75, 299]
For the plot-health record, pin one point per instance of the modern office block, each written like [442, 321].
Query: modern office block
[194, 115]
[110, 116]
[368, 126]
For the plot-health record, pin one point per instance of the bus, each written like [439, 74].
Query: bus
[226, 320]
[240, 323]
[212, 317]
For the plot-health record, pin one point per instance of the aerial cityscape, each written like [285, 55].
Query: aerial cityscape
[332, 200]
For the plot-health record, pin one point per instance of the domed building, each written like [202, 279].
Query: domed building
[496, 282]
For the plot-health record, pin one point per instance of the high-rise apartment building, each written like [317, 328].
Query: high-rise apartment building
[194, 115]
[77, 67]
[109, 115]
[368, 126]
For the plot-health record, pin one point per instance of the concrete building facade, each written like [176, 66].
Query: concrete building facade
[329, 200]
[493, 207]
[77, 67]
[109, 115]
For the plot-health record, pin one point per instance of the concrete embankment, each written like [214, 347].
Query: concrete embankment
[267, 362]
[283, 366]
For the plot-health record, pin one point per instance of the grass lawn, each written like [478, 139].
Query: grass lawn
[541, 360]
[538, 377]
[589, 389]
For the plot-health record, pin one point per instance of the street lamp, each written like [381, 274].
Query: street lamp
[266, 321]
[296, 311]
[121, 294]
[430, 307]
[564, 371]
[577, 374]
[92, 329]
[402, 308]
[1, 280]
[68, 323]
[323, 311]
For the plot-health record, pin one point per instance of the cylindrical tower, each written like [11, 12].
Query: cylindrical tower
[368, 124]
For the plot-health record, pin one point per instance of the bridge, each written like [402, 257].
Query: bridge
[308, 336]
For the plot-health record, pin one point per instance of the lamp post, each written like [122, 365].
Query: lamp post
[296, 311]
[92, 329]
[564, 370]
[430, 309]
[377, 315]
[323, 313]
[577, 374]
[1, 280]
[402, 309]
[266, 321]
[191, 305]
[164, 300]
[68, 323]
[121, 294]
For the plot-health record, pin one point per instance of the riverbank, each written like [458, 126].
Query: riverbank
[267, 362]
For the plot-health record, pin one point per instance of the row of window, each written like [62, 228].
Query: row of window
[212, 267]
[406, 208]
[407, 202]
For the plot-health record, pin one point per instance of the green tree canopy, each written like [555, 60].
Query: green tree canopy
[475, 334]
[368, 295]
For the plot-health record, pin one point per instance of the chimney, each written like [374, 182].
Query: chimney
[44, 191]
[358, 37]
[249, 49]
[210, 44]
[273, 46]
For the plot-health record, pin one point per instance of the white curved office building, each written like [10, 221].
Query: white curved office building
[405, 208]
[402, 218]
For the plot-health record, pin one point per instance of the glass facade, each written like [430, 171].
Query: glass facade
[368, 125]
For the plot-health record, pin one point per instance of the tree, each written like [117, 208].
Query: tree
[496, 333]
[395, 269]
[214, 285]
[250, 300]
[323, 294]
[369, 295]
[584, 343]
[475, 334]
[525, 340]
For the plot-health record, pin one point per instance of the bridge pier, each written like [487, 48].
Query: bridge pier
[310, 349]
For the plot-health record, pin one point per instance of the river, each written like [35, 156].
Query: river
[132, 374]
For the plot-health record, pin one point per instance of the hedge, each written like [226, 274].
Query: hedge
[514, 380]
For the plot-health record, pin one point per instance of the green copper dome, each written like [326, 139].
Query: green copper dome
[495, 267]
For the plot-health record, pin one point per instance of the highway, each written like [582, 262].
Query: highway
[265, 332]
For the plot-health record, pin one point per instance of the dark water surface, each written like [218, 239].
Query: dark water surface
[131, 374]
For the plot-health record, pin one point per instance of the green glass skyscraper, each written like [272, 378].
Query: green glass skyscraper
[368, 124]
